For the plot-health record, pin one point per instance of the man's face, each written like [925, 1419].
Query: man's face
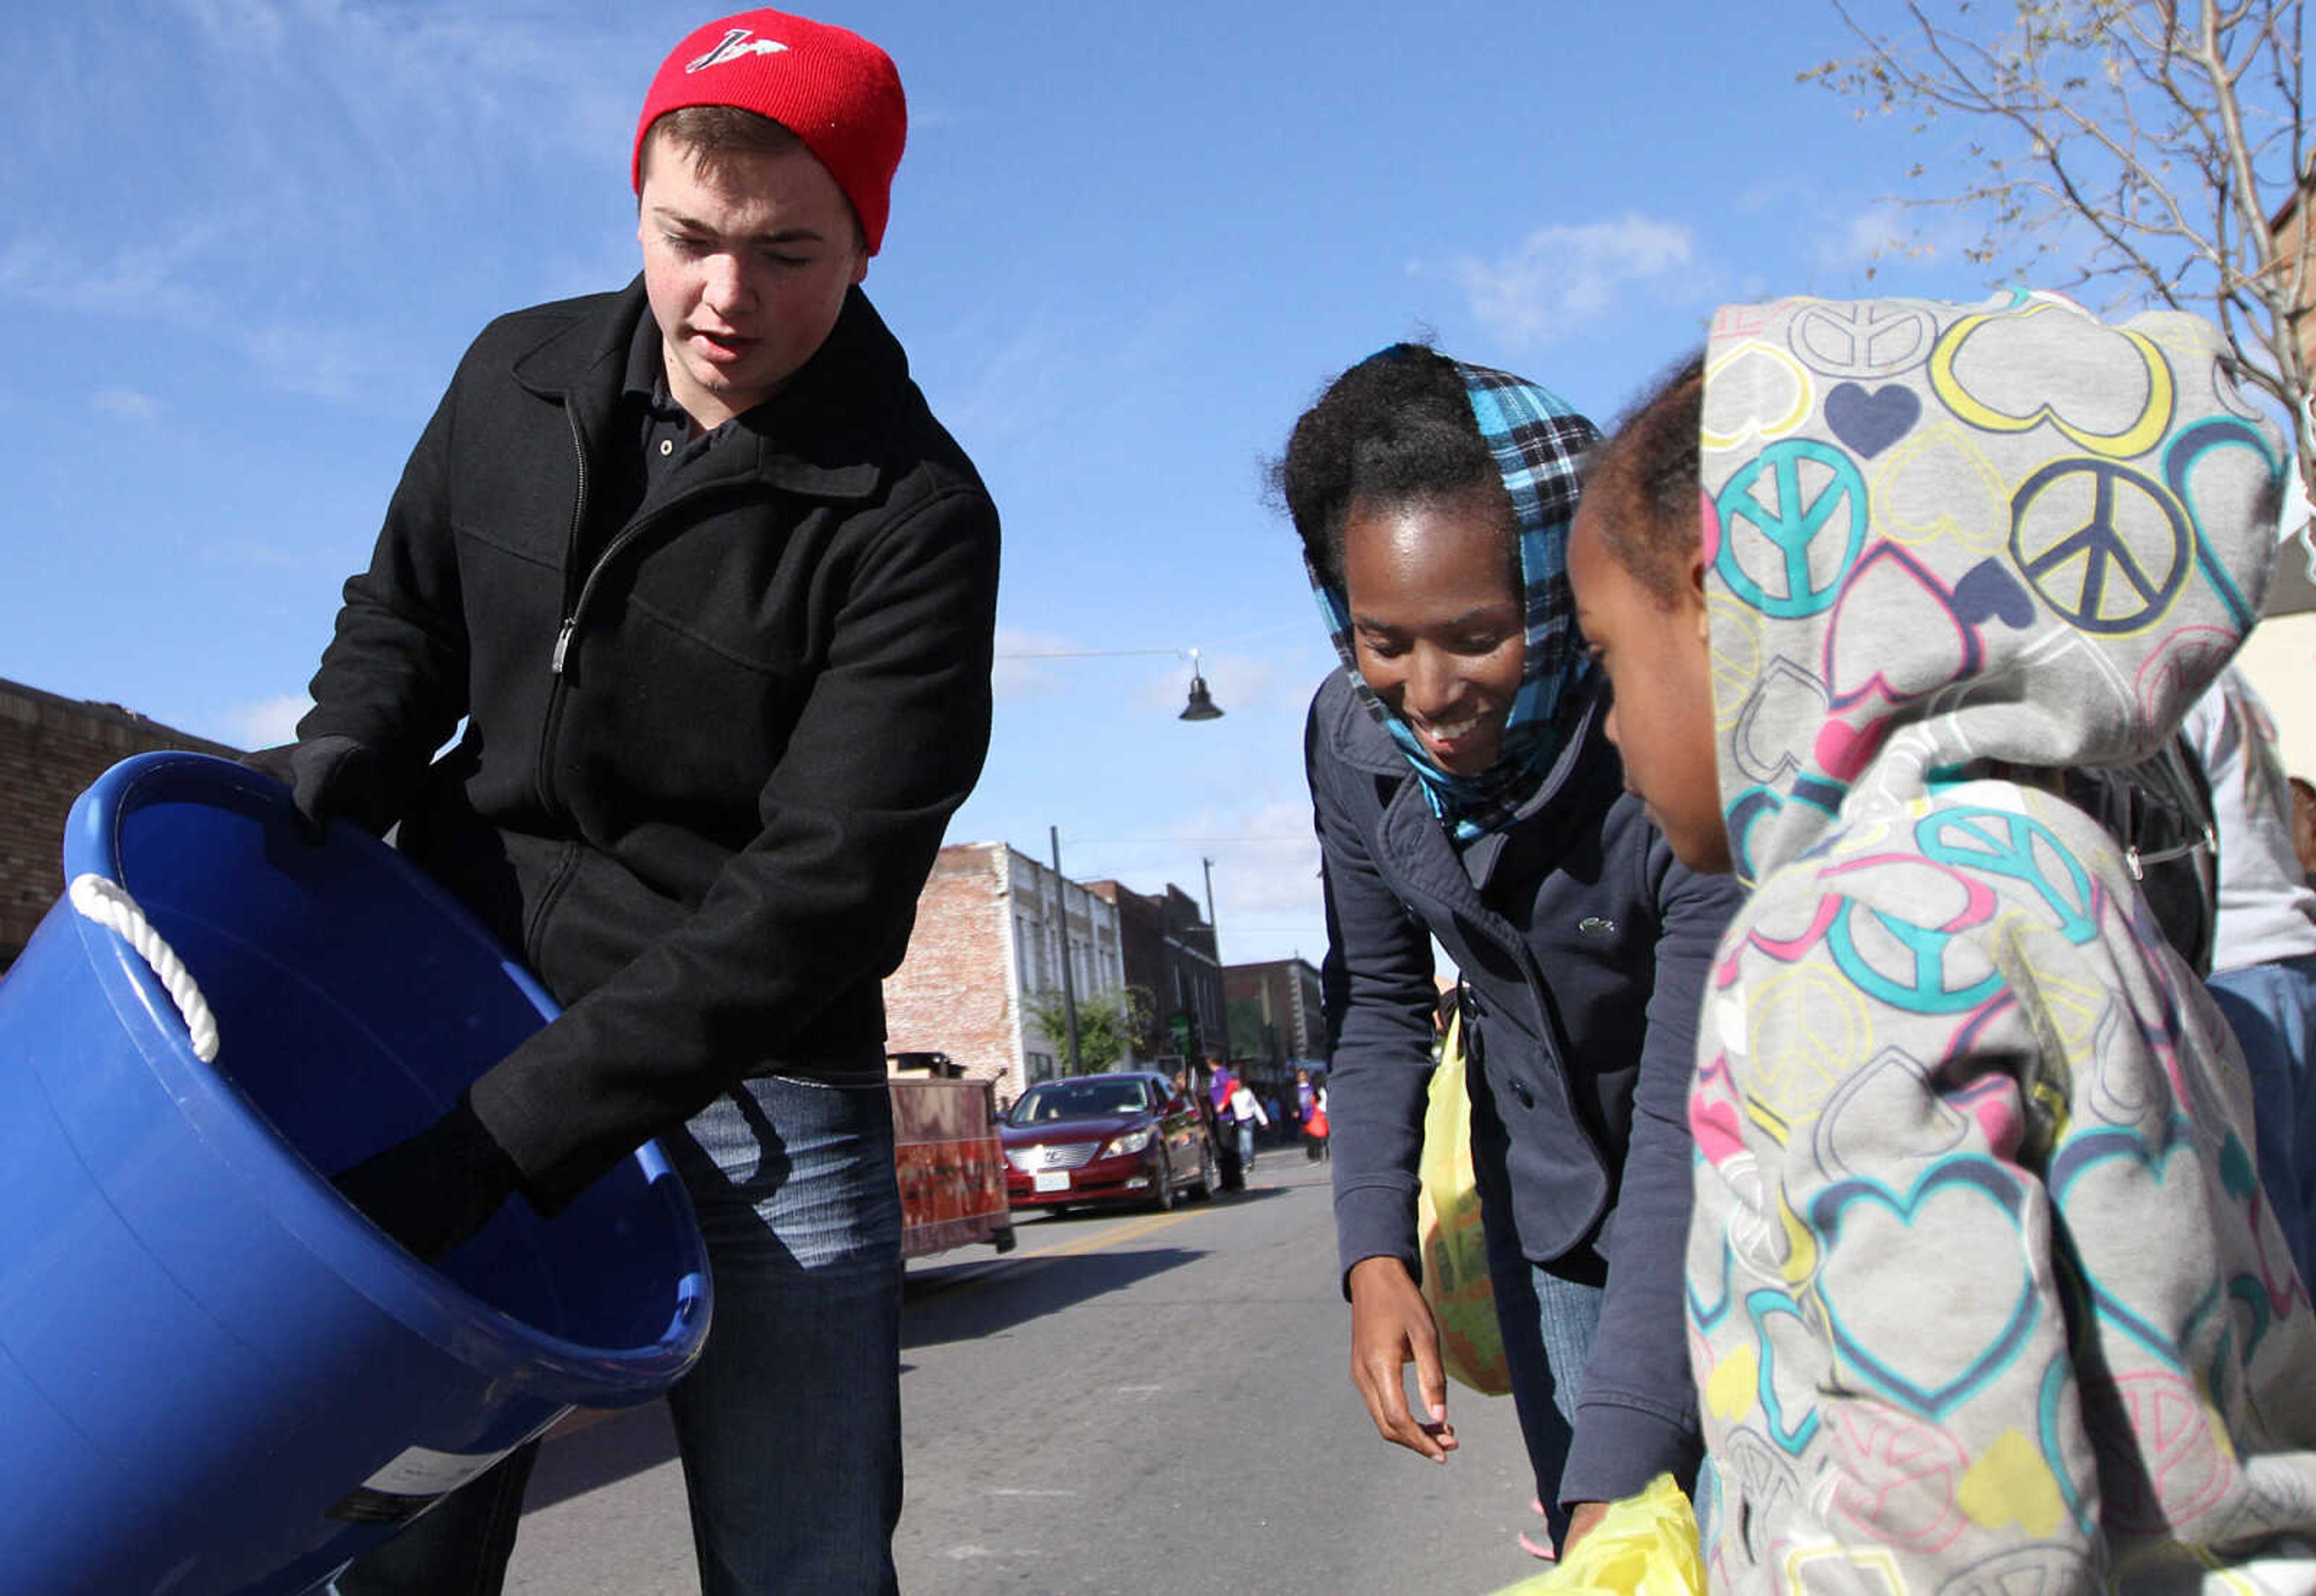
[746, 271]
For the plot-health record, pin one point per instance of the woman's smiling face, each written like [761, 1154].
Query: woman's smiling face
[1437, 625]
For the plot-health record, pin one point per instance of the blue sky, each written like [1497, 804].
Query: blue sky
[243, 243]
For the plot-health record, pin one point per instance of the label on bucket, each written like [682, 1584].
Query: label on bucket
[411, 1484]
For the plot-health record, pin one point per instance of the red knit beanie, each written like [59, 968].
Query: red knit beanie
[832, 88]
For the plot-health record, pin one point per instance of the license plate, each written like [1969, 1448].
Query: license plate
[1050, 1179]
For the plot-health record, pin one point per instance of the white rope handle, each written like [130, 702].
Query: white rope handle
[106, 903]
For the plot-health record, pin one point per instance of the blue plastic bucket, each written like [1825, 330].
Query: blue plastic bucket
[216, 1375]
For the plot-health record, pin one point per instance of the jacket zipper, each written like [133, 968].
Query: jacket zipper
[611, 551]
[543, 775]
[566, 631]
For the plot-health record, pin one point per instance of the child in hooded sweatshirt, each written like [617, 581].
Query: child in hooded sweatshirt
[1983, 1296]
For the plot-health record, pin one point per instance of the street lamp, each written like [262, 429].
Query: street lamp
[1201, 705]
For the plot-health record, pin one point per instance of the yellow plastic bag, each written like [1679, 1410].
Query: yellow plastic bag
[1646, 1546]
[1448, 1227]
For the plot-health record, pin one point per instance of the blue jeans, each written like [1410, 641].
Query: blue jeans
[790, 1426]
[1246, 1144]
[2272, 1010]
[1548, 1323]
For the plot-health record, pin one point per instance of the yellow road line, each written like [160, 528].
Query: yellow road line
[1132, 1232]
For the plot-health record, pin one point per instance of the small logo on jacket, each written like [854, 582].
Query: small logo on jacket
[738, 42]
[1594, 925]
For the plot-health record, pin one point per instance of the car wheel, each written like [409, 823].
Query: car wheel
[1208, 1181]
[1162, 1198]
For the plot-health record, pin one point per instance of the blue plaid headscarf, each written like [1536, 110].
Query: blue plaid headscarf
[1538, 441]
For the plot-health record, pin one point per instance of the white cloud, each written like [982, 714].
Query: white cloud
[126, 404]
[1878, 231]
[1563, 278]
[1278, 871]
[272, 721]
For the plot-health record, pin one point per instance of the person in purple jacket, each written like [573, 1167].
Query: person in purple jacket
[1464, 793]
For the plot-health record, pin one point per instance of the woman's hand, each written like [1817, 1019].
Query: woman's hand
[1392, 1326]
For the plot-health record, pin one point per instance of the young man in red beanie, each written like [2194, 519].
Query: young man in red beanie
[713, 593]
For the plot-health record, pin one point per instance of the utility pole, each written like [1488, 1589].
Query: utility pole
[1061, 907]
[1221, 1045]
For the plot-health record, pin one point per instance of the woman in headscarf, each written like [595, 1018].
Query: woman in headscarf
[1463, 792]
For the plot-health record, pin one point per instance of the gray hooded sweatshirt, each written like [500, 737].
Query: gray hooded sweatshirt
[1983, 1296]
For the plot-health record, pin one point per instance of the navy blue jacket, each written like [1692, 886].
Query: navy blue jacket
[1586, 947]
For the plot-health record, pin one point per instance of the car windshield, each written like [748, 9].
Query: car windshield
[1080, 1100]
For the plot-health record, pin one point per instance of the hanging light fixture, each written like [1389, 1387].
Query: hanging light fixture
[1202, 705]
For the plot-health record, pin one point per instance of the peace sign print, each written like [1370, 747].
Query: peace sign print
[2004, 844]
[1931, 963]
[2106, 548]
[1870, 338]
[1792, 520]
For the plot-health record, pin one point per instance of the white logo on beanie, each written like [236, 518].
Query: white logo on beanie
[738, 42]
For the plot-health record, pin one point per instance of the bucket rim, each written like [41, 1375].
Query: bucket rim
[425, 1301]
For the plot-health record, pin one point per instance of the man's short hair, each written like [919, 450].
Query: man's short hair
[716, 137]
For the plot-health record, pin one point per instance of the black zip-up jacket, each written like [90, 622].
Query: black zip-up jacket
[1585, 948]
[710, 750]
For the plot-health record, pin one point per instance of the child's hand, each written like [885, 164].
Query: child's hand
[1581, 1521]
[1391, 1326]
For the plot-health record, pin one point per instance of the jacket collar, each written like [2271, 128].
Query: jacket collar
[1351, 733]
[827, 434]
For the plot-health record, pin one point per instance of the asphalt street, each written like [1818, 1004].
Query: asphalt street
[1126, 1403]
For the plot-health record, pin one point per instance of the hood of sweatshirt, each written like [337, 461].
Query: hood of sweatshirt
[1939, 535]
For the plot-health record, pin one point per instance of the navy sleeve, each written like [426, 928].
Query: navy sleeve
[1638, 1415]
[1380, 997]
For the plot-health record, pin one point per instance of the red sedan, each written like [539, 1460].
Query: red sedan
[1125, 1137]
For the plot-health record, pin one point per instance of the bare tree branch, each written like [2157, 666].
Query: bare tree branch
[2148, 146]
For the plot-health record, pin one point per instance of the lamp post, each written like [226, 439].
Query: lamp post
[1214, 935]
[1200, 707]
[1069, 984]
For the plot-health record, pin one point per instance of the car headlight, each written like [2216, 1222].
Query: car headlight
[1132, 1141]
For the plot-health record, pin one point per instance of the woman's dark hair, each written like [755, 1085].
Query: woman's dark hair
[1644, 482]
[1395, 429]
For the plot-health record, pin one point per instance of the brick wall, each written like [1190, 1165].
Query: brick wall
[955, 990]
[51, 750]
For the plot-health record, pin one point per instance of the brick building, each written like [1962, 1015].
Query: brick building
[1277, 1020]
[1169, 952]
[51, 750]
[992, 924]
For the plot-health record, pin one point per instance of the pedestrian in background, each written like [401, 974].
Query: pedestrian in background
[706, 595]
[1315, 1125]
[1463, 790]
[1246, 1113]
[1222, 1125]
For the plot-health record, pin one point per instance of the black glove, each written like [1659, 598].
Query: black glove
[328, 775]
[434, 1190]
